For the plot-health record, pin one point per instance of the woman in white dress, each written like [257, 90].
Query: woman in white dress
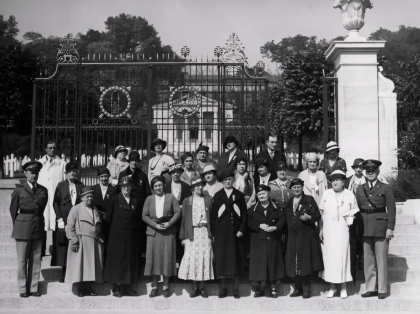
[161, 161]
[195, 234]
[118, 164]
[243, 181]
[338, 207]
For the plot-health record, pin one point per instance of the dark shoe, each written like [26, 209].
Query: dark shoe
[91, 293]
[382, 296]
[131, 292]
[61, 280]
[203, 293]
[306, 293]
[236, 294]
[258, 294]
[35, 294]
[222, 293]
[273, 293]
[24, 295]
[153, 293]
[195, 293]
[369, 294]
[117, 294]
[296, 293]
[166, 293]
[80, 294]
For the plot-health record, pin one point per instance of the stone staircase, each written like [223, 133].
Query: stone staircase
[403, 278]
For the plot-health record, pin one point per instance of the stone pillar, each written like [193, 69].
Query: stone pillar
[356, 68]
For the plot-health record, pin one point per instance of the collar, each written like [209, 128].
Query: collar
[271, 151]
[372, 183]
[103, 187]
[233, 152]
[31, 185]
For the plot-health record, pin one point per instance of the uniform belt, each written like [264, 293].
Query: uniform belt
[373, 210]
[27, 211]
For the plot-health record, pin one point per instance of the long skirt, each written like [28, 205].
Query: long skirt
[336, 251]
[197, 262]
[161, 255]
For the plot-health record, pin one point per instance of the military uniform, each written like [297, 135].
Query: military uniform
[377, 206]
[27, 210]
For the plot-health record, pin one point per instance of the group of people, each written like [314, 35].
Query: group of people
[206, 219]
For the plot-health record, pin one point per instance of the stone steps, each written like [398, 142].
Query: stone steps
[184, 303]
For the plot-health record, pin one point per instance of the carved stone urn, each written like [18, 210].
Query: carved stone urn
[353, 16]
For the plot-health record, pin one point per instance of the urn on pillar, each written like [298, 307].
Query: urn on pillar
[353, 16]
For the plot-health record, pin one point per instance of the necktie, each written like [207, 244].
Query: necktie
[34, 189]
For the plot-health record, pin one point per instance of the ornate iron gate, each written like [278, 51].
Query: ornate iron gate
[91, 105]
[330, 111]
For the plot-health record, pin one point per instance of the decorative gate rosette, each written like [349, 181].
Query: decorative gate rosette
[112, 105]
[185, 101]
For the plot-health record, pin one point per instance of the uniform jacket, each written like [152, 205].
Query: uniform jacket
[321, 184]
[278, 156]
[123, 258]
[186, 229]
[62, 198]
[141, 182]
[170, 208]
[375, 225]
[226, 222]
[28, 226]
[224, 162]
[185, 190]
[266, 248]
[49, 176]
[303, 240]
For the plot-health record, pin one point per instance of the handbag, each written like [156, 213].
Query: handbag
[163, 219]
[61, 236]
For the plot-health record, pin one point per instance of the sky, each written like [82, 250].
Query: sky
[202, 25]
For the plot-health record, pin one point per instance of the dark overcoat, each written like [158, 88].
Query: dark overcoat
[140, 181]
[224, 162]
[226, 222]
[185, 190]
[303, 240]
[102, 204]
[28, 225]
[123, 259]
[278, 156]
[266, 249]
[62, 206]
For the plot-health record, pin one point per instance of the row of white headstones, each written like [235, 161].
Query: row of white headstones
[12, 164]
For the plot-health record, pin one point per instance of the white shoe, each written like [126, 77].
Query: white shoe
[331, 293]
[343, 293]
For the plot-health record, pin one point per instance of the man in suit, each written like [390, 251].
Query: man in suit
[140, 179]
[67, 194]
[227, 160]
[264, 175]
[377, 206]
[27, 209]
[271, 154]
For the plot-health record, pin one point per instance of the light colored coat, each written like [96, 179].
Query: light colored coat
[115, 168]
[50, 175]
[87, 263]
[321, 185]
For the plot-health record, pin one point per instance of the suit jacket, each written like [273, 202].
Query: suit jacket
[185, 190]
[381, 196]
[224, 162]
[102, 204]
[141, 182]
[62, 198]
[272, 177]
[28, 226]
[278, 156]
[170, 208]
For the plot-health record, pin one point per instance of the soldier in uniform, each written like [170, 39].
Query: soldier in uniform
[377, 206]
[27, 209]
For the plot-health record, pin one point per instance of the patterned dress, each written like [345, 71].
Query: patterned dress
[197, 261]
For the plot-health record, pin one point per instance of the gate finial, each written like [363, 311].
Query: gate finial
[67, 53]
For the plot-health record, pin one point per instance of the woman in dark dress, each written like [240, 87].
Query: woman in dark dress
[265, 222]
[122, 265]
[229, 220]
[67, 195]
[332, 161]
[304, 255]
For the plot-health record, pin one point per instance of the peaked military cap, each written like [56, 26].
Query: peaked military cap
[296, 181]
[34, 166]
[371, 163]
[263, 187]
[71, 166]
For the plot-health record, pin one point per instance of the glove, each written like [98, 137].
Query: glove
[349, 220]
[60, 223]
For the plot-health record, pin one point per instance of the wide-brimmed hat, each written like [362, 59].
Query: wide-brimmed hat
[230, 139]
[209, 167]
[71, 166]
[126, 180]
[158, 141]
[196, 180]
[202, 147]
[120, 148]
[358, 162]
[33, 166]
[175, 167]
[296, 181]
[337, 174]
[86, 190]
[134, 155]
[331, 146]
[225, 173]
[371, 163]
[103, 170]
[282, 166]
[263, 187]
[262, 162]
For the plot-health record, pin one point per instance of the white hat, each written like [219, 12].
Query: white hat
[331, 146]
[311, 157]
